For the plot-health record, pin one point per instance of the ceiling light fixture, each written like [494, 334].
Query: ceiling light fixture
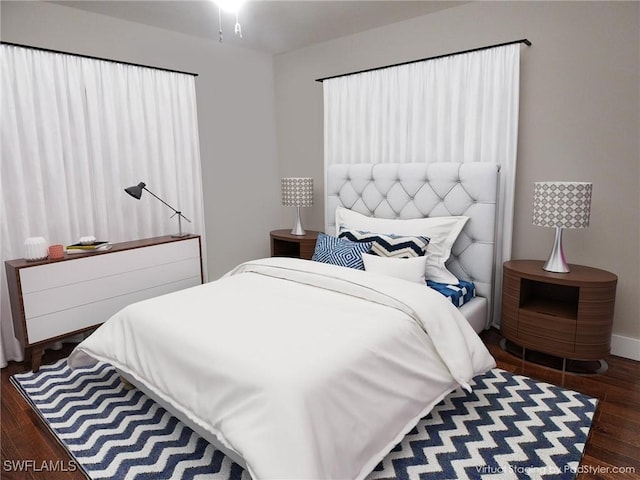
[233, 7]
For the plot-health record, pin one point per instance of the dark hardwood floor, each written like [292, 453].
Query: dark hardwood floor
[614, 441]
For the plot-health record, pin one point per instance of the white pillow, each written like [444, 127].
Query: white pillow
[442, 231]
[411, 269]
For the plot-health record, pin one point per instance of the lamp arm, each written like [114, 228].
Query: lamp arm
[179, 213]
[175, 212]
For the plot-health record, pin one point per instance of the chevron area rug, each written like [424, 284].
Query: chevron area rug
[509, 427]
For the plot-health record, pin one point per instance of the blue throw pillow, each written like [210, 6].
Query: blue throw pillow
[337, 251]
[389, 245]
[459, 294]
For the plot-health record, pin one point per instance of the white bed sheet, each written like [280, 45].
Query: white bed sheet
[305, 370]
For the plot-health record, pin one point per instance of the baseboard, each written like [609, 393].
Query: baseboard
[626, 347]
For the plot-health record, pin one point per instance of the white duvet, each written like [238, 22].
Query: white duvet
[306, 370]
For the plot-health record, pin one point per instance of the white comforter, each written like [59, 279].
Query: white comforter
[304, 369]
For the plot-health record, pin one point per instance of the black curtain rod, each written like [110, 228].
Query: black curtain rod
[523, 40]
[96, 58]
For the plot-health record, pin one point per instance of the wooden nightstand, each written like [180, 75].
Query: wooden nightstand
[567, 315]
[285, 244]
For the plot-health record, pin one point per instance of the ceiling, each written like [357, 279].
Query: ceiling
[269, 26]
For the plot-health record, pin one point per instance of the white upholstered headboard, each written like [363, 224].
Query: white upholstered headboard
[417, 190]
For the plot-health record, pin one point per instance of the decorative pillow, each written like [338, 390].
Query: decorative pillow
[459, 294]
[389, 245]
[411, 269]
[338, 251]
[442, 232]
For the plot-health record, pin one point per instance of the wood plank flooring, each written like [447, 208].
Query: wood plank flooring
[614, 442]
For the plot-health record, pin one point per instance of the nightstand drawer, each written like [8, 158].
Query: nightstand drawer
[555, 329]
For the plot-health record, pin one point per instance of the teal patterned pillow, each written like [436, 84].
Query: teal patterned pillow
[338, 251]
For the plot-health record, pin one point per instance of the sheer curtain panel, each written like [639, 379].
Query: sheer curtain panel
[461, 108]
[76, 132]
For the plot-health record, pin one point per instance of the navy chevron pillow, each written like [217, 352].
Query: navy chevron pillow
[389, 245]
[338, 251]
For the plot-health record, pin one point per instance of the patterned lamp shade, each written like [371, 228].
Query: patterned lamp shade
[562, 204]
[297, 192]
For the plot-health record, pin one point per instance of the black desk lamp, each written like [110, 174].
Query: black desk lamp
[136, 192]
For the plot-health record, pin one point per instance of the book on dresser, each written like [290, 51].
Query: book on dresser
[88, 247]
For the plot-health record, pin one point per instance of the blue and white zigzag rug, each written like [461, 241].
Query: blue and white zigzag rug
[509, 427]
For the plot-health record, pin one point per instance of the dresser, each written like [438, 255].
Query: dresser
[54, 299]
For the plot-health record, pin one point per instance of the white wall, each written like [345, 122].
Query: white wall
[235, 94]
[579, 116]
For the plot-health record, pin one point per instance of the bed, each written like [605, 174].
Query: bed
[302, 369]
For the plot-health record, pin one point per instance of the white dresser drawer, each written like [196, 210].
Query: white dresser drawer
[91, 267]
[60, 323]
[65, 297]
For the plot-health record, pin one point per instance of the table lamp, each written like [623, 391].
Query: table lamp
[561, 205]
[297, 192]
[136, 192]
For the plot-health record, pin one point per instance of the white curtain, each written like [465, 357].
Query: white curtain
[462, 108]
[75, 133]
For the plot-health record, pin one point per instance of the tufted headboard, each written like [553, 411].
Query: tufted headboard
[418, 190]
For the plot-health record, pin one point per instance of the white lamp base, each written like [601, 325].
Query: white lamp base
[557, 262]
[297, 228]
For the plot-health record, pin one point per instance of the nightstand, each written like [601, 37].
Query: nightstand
[285, 244]
[568, 315]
